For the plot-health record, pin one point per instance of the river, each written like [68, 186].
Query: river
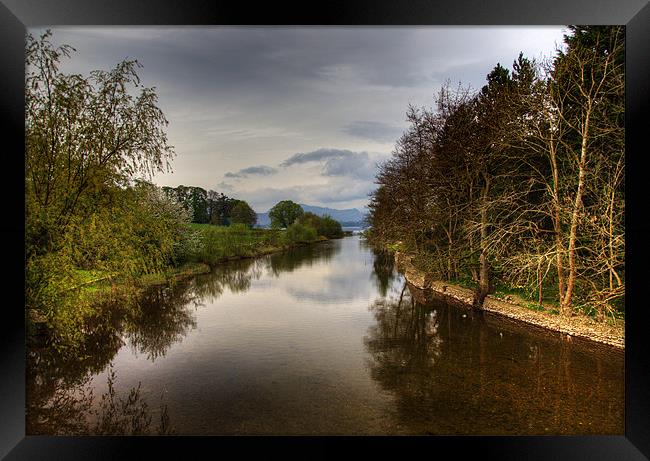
[326, 339]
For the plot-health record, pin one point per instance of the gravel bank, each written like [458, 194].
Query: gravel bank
[578, 325]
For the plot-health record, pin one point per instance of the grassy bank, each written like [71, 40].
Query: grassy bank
[201, 247]
[215, 244]
[206, 245]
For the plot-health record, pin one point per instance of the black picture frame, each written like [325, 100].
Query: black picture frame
[16, 15]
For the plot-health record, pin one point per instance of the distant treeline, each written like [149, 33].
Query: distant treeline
[522, 182]
[210, 207]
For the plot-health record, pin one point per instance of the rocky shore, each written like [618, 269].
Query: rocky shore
[580, 326]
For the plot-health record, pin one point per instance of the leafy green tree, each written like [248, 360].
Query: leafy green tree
[299, 233]
[219, 208]
[285, 213]
[194, 200]
[309, 219]
[83, 136]
[199, 201]
[86, 139]
[323, 225]
[329, 227]
[242, 213]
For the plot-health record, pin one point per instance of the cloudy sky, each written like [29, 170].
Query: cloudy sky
[267, 114]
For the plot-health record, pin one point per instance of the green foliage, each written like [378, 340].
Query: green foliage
[87, 139]
[219, 208]
[329, 227]
[242, 213]
[84, 137]
[135, 236]
[52, 298]
[204, 206]
[284, 213]
[298, 233]
[188, 246]
[193, 199]
[324, 225]
[218, 243]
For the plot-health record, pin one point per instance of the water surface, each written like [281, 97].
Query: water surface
[328, 339]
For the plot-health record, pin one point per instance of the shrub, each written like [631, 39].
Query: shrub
[329, 227]
[298, 233]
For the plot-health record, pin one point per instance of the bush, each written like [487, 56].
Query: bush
[324, 225]
[298, 233]
[188, 246]
[329, 227]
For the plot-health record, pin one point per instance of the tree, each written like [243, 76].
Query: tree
[242, 213]
[194, 200]
[588, 91]
[91, 142]
[284, 213]
[298, 233]
[83, 136]
[219, 208]
[329, 227]
[310, 219]
[323, 225]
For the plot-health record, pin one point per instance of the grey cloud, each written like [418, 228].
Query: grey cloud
[338, 162]
[317, 156]
[261, 170]
[224, 187]
[375, 131]
[358, 166]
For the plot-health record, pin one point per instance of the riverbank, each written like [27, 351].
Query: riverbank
[192, 269]
[581, 326]
[95, 288]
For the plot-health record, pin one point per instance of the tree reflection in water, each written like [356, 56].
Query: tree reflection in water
[438, 369]
[289, 261]
[453, 374]
[235, 276]
[59, 399]
[59, 395]
[71, 410]
[384, 269]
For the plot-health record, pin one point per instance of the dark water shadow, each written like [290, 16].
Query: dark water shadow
[454, 372]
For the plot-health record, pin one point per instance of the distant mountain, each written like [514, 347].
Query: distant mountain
[348, 217]
[263, 220]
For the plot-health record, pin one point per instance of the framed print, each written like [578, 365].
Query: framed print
[379, 226]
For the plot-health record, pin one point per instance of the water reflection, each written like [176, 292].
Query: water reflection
[305, 256]
[235, 276]
[74, 410]
[384, 271]
[454, 374]
[323, 339]
[60, 397]
[160, 318]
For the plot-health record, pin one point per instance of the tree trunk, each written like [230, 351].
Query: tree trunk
[577, 204]
[539, 282]
[483, 282]
[557, 223]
